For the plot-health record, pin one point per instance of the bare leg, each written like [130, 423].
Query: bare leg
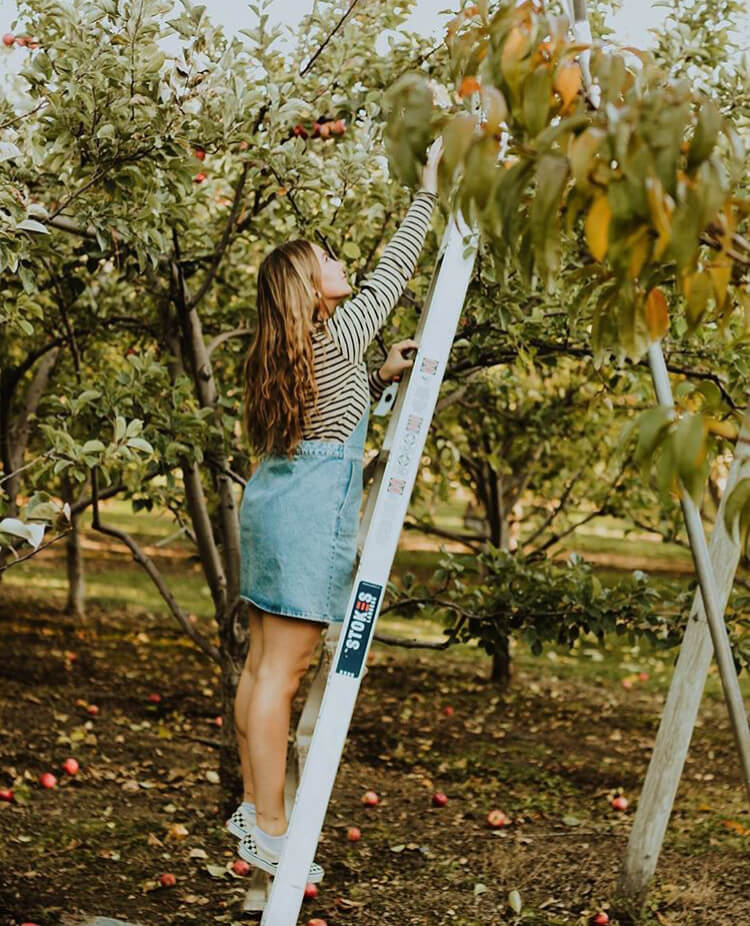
[242, 698]
[288, 645]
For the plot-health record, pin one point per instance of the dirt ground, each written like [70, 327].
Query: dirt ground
[551, 754]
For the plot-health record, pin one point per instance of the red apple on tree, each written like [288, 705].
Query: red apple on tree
[311, 891]
[439, 799]
[47, 780]
[370, 799]
[168, 879]
[9, 38]
[240, 867]
[71, 766]
[353, 834]
[199, 177]
[199, 153]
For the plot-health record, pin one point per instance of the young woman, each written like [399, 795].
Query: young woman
[306, 408]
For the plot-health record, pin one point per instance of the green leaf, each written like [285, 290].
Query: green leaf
[706, 134]
[33, 226]
[514, 901]
[138, 443]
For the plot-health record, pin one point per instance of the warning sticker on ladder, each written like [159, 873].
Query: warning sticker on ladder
[358, 629]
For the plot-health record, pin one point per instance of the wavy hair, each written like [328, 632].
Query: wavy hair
[279, 377]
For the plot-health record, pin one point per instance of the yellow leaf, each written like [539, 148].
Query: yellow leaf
[657, 314]
[495, 108]
[596, 226]
[567, 83]
[638, 254]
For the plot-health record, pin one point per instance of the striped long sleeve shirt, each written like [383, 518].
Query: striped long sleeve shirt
[344, 384]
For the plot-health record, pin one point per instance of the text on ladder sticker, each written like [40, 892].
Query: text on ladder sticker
[358, 628]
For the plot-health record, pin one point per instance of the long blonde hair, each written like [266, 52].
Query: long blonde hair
[279, 375]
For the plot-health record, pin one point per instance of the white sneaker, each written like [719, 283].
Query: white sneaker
[241, 822]
[269, 862]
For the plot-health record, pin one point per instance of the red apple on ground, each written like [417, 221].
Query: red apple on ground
[9, 38]
[47, 780]
[643, 676]
[439, 799]
[154, 697]
[496, 819]
[29, 924]
[199, 153]
[316, 921]
[93, 710]
[620, 802]
[168, 879]
[6, 794]
[240, 867]
[311, 890]
[370, 798]
[219, 721]
[353, 834]
[600, 919]
[71, 766]
[199, 177]
[448, 710]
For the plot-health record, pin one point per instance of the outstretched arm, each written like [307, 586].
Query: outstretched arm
[355, 322]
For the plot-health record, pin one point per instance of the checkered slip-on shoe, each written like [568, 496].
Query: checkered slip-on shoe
[252, 853]
[240, 823]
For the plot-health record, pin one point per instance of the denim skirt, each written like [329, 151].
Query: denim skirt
[299, 521]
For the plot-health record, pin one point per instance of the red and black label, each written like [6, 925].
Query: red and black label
[358, 629]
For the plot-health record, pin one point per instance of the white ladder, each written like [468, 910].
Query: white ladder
[324, 723]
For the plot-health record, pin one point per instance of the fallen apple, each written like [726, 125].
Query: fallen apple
[601, 919]
[496, 819]
[92, 709]
[154, 697]
[240, 867]
[353, 834]
[167, 879]
[439, 799]
[47, 780]
[6, 794]
[316, 921]
[370, 798]
[620, 802]
[219, 721]
[311, 890]
[9, 38]
[448, 710]
[71, 766]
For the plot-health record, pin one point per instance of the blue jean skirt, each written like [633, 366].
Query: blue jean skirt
[299, 521]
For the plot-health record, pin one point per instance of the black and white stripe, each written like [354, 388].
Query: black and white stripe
[344, 383]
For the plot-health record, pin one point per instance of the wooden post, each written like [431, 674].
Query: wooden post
[683, 701]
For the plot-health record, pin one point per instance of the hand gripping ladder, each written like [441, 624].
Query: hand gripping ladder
[322, 730]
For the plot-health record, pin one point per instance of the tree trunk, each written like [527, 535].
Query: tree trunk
[233, 643]
[502, 666]
[76, 603]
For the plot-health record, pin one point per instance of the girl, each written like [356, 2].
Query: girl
[306, 410]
